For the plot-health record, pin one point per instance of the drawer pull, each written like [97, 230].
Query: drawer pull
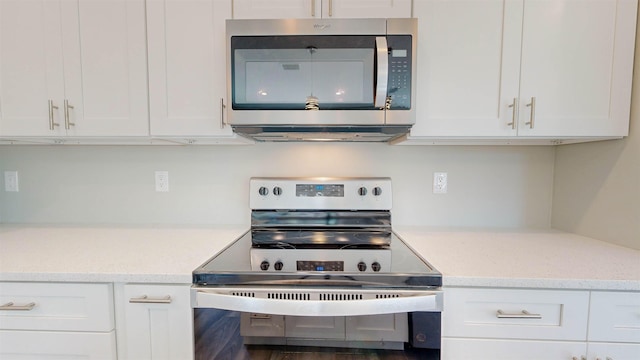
[523, 315]
[144, 299]
[12, 306]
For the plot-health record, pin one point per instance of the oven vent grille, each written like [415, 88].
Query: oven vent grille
[289, 296]
[316, 296]
[243, 294]
[339, 296]
[387, 296]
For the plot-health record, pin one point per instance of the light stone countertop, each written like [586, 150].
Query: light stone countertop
[109, 254]
[525, 258]
[161, 254]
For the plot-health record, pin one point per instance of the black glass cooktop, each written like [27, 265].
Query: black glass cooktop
[232, 266]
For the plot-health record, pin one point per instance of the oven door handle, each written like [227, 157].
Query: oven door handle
[210, 298]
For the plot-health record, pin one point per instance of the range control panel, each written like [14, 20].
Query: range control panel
[326, 260]
[320, 194]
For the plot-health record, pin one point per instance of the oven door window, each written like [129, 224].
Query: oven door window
[303, 72]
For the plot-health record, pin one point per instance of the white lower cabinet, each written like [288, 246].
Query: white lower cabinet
[613, 351]
[515, 314]
[614, 326]
[56, 320]
[494, 349]
[492, 323]
[154, 322]
[488, 323]
[44, 345]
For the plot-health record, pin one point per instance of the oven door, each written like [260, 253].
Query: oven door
[249, 322]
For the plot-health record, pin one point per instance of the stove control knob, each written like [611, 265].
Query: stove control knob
[278, 265]
[376, 266]
[264, 266]
[362, 266]
[263, 191]
[377, 191]
[277, 191]
[362, 191]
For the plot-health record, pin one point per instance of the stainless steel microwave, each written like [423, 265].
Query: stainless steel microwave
[333, 79]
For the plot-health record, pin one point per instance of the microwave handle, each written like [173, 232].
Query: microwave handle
[382, 72]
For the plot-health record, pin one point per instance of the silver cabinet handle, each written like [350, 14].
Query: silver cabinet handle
[11, 306]
[67, 124]
[52, 124]
[313, 8]
[532, 117]
[514, 113]
[144, 299]
[522, 315]
[330, 8]
[222, 109]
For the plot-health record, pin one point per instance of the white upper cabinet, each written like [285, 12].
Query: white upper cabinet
[577, 62]
[465, 79]
[366, 8]
[481, 62]
[187, 67]
[260, 9]
[73, 68]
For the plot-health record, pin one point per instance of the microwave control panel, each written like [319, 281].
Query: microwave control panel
[400, 64]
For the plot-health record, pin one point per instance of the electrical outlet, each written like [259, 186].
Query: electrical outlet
[11, 181]
[162, 181]
[440, 183]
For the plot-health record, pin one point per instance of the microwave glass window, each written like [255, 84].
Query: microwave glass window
[285, 72]
[289, 76]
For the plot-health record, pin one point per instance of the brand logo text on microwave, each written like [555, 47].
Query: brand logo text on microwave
[321, 26]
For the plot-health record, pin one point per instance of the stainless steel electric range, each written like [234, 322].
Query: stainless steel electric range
[320, 268]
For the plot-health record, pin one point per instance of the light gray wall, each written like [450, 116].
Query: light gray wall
[489, 186]
[597, 185]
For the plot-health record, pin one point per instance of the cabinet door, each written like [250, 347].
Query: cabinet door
[611, 351]
[43, 345]
[468, 67]
[276, 9]
[30, 68]
[366, 8]
[187, 66]
[105, 67]
[614, 316]
[460, 348]
[577, 62]
[158, 322]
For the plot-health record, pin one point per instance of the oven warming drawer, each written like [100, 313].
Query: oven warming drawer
[316, 301]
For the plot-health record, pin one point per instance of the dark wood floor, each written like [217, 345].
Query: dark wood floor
[218, 338]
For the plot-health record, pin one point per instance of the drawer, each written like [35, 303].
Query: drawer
[552, 314]
[56, 306]
[57, 345]
[614, 316]
[493, 349]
